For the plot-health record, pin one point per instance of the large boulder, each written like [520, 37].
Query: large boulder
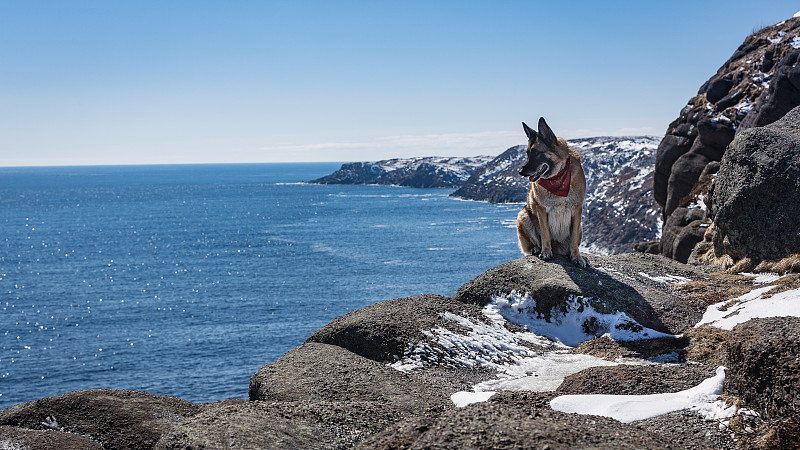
[317, 372]
[554, 284]
[384, 330]
[281, 425]
[117, 419]
[756, 191]
[755, 87]
[764, 366]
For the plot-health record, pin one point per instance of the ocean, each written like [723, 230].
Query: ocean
[184, 280]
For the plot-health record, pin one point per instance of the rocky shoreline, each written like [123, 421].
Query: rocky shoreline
[384, 376]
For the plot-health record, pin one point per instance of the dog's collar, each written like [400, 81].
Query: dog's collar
[558, 184]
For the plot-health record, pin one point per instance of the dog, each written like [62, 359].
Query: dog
[550, 222]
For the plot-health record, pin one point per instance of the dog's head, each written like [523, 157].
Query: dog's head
[546, 153]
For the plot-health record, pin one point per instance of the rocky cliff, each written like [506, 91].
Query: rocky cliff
[759, 84]
[427, 172]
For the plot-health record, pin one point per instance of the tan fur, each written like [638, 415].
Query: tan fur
[553, 225]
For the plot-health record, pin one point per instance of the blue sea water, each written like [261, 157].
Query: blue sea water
[184, 280]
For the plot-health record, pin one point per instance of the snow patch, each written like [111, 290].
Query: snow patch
[463, 398]
[728, 314]
[581, 322]
[542, 373]
[763, 278]
[777, 38]
[488, 345]
[629, 408]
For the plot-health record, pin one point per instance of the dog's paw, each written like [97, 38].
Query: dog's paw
[545, 255]
[579, 261]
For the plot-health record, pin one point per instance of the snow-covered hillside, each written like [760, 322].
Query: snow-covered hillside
[433, 171]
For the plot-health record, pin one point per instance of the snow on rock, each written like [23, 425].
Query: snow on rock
[488, 345]
[666, 279]
[728, 314]
[463, 398]
[493, 346]
[629, 408]
[580, 322]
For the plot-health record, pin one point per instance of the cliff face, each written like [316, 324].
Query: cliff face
[618, 189]
[427, 172]
[759, 84]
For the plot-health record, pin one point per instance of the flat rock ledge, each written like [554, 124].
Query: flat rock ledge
[382, 376]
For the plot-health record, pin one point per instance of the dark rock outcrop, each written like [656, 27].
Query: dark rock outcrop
[114, 418]
[764, 370]
[428, 172]
[683, 229]
[755, 87]
[754, 196]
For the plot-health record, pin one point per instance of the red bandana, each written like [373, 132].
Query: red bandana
[558, 184]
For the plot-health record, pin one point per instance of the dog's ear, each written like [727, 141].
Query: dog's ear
[546, 133]
[528, 132]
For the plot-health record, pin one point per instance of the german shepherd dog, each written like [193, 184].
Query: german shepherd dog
[550, 222]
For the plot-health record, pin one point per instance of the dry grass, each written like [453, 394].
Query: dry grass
[706, 344]
[721, 287]
[789, 264]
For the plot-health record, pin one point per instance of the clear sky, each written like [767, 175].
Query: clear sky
[146, 82]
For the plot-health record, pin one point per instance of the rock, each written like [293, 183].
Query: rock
[281, 425]
[384, 330]
[687, 239]
[116, 419]
[685, 173]
[764, 366]
[756, 190]
[552, 284]
[674, 227]
[749, 90]
[669, 150]
[781, 97]
[651, 247]
[717, 89]
[428, 172]
[317, 372]
[513, 420]
[635, 379]
[12, 438]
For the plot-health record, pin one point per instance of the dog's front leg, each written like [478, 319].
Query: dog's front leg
[575, 238]
[544, 231]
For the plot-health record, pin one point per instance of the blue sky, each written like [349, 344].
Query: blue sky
[145, 82]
